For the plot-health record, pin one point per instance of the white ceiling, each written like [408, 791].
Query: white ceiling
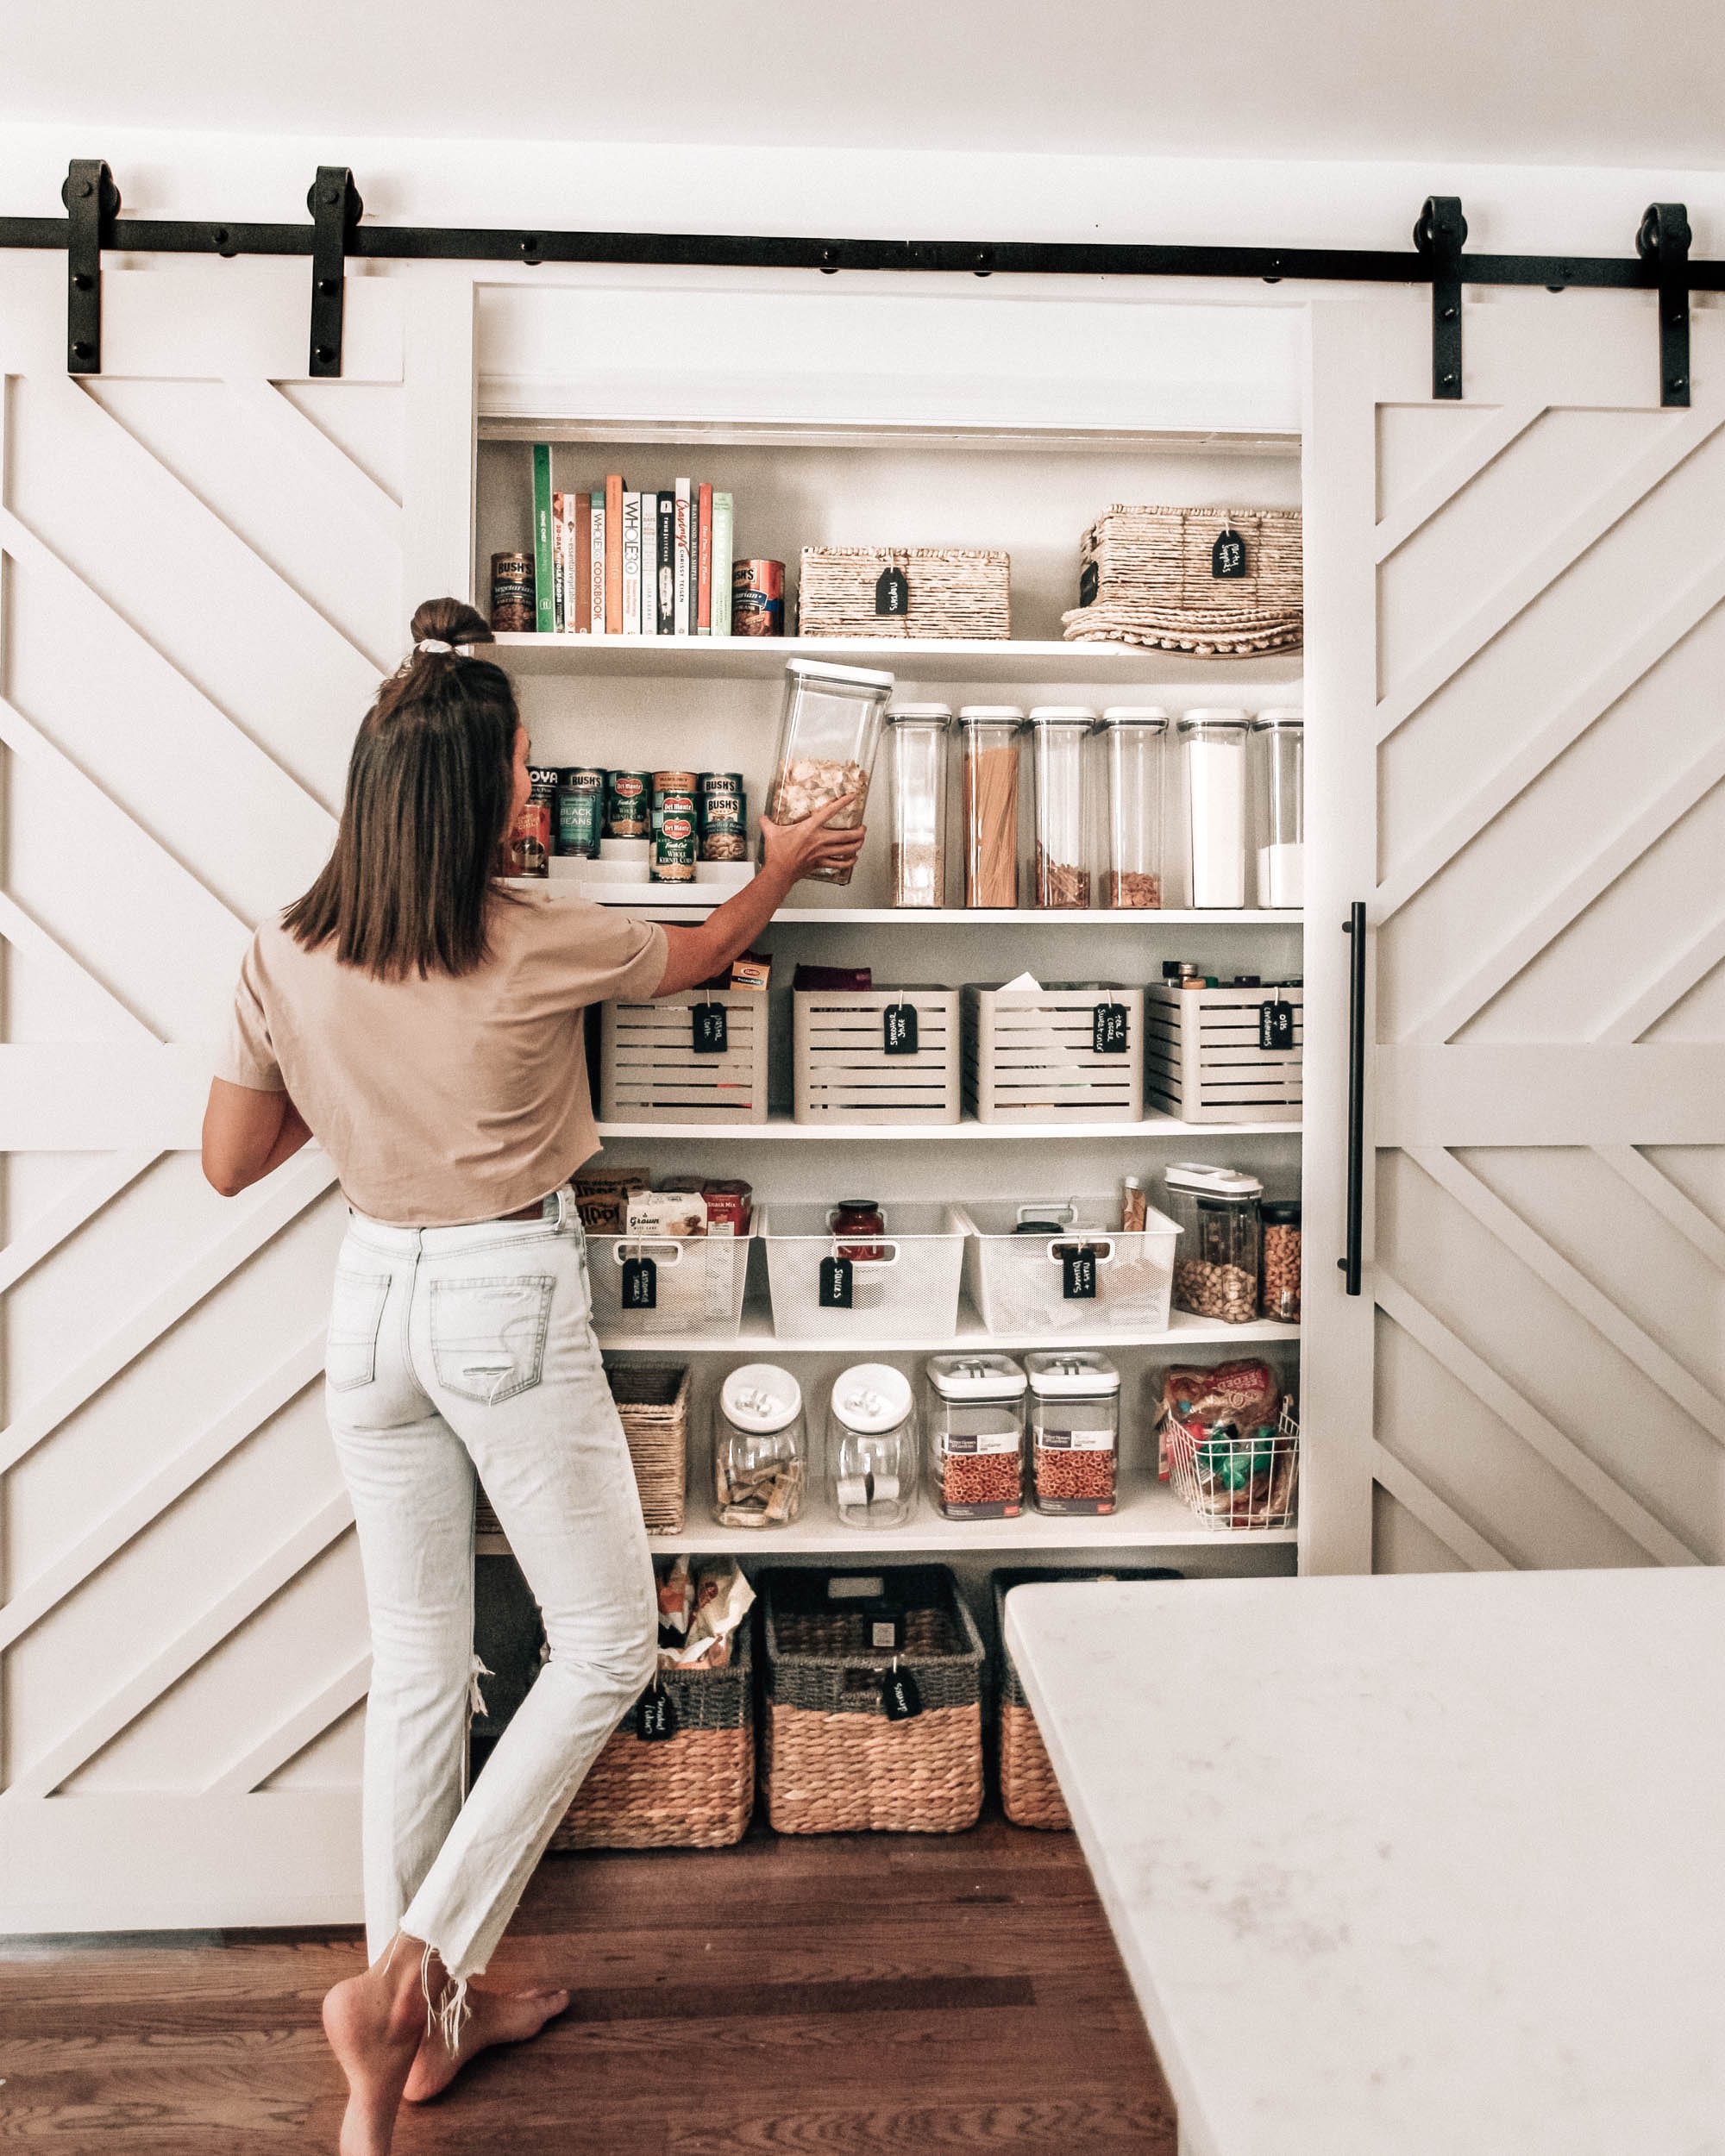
[1574, 82]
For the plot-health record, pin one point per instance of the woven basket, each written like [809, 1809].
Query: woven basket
[653, 1406]
[834, 1762]
[693, 1790]
[953, 592]
[1147, 574]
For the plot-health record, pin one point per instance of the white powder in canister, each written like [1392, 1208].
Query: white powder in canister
[1215, 801]
[1282, 874]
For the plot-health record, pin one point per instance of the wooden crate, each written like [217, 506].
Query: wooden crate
[844, 1072]
[651, 1072]
[1204, 1063]
[1030, 1056]
[951, 591]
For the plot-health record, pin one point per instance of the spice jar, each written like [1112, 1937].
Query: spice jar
[1075, 1426]
[916, 740]
[828, 729]
[1281, 1297]
[1217, 1212]
[759, 1453]
[1133, 737]
[1058, 733]
[1278, 764]
[991, 803]
[976, 1435]
[872, 1446]
[1213, 745]
[857, 1216]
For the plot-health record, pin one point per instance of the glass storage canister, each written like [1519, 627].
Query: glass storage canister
[1074, 1424]
[976, 1435]
[1278, 774]
[1216, 1274]
[1281, 1297]
[872, 1446]
[829, 729]
[916, 746]
[1133, 737]
[1213, 746]
[1059, 735]
[760, 1454]
[991, 803]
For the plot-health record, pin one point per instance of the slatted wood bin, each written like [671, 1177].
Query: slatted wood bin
[1146, 575]
[950, 591]
[1032, 1054]
[653, 1406]
[1030, 1795]
[850, 1065]
[835, 1762]
[651, 1070]
[1205, 1060]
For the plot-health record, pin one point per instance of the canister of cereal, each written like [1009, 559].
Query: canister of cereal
[1074, 1424]
[757, 599]
[829, 729]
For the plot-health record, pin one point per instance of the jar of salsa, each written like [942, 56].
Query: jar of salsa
[858, 1216]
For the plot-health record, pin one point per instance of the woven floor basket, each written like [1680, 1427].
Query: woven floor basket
[834, 1762]
[652, 1405]
[1154, 587]
[693, 1790]
[953, 592]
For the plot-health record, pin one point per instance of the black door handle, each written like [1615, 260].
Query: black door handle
[1354, 928]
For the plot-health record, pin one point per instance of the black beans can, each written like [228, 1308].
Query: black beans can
[579, 821]
[629, 803]
[724, 817]
[512, 606]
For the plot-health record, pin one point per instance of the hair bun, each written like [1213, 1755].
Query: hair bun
[442, 624]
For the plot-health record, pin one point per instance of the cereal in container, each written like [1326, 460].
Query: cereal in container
[1074, 1420]
[976, 1422]
[829, 729]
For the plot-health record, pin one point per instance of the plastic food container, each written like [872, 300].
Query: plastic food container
[760, 1454]
[916, 743]
[1281, 1285]
[910, 1287]
[695, 1284]
[1278, 769]
[1133, 737]
[976, 1435]
[1212, 754]
[828, 729]
[872, 1446]
[1059, 736]
[991, 803]
[1218, 1212]
[1028, 1273]
[1074, 1424]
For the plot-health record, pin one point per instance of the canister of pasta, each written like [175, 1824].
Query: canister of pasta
[511, 592]
[628, 804]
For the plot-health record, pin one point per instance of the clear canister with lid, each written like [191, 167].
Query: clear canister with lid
[872, 1446]
[991, 803]
[976, 1435]
[1060, 734]
[1075, 1429]
[1217, 1211]
[829, 729]
[760, 1450]
[1212, 759]
[1281, 1285]
[1278, 775]
[916, 746]
[1133, 737]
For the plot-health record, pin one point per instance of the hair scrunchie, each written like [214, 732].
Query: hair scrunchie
[433, 643]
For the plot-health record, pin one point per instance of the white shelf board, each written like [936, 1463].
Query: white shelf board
[687, 901]
[919, 658]
[757, 1336]
[779, 1126]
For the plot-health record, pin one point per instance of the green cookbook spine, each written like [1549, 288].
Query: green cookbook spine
[545, 559]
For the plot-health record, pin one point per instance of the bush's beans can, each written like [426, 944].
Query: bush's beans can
[757, 599]
[674, 828]
[628, 804]
[511, 592]
[722, 817]
[581, 812]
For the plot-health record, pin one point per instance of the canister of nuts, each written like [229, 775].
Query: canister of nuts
[511, 593]
[1280, 1218]
[722, 815]
[1074, 1421]
[581, 812]
[1217, 1210]
[628, 804]
[975, 1423]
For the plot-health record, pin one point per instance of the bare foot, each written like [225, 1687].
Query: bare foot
[496, 2017]
[374, 2023]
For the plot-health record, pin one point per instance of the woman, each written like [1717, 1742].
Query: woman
[424, 1023]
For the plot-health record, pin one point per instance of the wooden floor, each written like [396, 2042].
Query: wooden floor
[879, 1993]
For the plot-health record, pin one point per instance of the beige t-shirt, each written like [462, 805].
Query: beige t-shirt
[455, 1097]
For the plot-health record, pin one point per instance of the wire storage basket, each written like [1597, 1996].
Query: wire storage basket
[1151, 575]
[1237, 1480]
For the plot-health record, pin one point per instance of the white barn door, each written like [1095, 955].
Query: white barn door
[208, 559]
[1517, 617]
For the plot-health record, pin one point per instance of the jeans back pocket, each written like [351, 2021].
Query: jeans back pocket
[356, 1317]
[488, 1336]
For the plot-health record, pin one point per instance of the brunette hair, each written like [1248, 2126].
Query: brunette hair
[431, 783]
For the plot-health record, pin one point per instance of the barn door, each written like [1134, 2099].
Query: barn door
[1518, 659]
[208, 560]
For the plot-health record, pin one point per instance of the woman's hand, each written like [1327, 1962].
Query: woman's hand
[796, 850]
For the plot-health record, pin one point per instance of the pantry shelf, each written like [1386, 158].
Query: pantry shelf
[671, 904]
[779, 1126]
[757, 1336]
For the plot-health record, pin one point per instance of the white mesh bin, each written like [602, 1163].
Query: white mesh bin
[911, 1288]
[1206, 1056]
[1026, 1285]
[852, 1061]
[655, 1069]
[698, 1283]
[1055, 1055]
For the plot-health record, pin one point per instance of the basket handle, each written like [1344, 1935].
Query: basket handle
[887, 1248]
[1060, 1208]
[637, 1246]
[1102, 1249]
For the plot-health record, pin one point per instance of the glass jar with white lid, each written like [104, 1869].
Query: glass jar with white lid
[916, 744]
[1212, 755]
[1278, 771]
[759, 1449]
[976, 1435]
[1133, 739]
[872, 1446]
[1059, 736]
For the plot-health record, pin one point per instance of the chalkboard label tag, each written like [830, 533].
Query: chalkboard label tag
[1089, 583]
[1108, 1029]
[891, 592]
[655, 1716]
[640, 1284]
[898, 1029]
[900, 1695]
[711, 1035]
[1078, 1272]
[835, 1283]
[1275, 1027]
[1227, 557]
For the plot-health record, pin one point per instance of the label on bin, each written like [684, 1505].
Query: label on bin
[1275, 1027]
[640, 1284]
[1227, 557]
[835, 1283]
[656, 1715]
[710, 1036]
[1108, 1030]
[898, 1029]
[900, 1695]
[891, 592]
[1078, 1272]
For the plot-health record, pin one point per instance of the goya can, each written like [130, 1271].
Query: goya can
[581, 812]
[511, 592]
[628, 804]
[757, 599]
[722, 817]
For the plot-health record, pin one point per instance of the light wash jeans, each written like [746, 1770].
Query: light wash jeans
[452, 1350]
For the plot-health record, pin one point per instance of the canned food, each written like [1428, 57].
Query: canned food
[722, 819]
[544, 777]
[513, 606]
[757, 599]
[580, 814]
[582, 778]
[675, 782]
[628, 804]
[674, 841]
[527, 852]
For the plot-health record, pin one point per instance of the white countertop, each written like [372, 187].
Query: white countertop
[1410, 1865]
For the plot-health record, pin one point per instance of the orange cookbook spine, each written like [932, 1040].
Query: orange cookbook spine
[613, 554]
[704, 566]
[583, 618]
